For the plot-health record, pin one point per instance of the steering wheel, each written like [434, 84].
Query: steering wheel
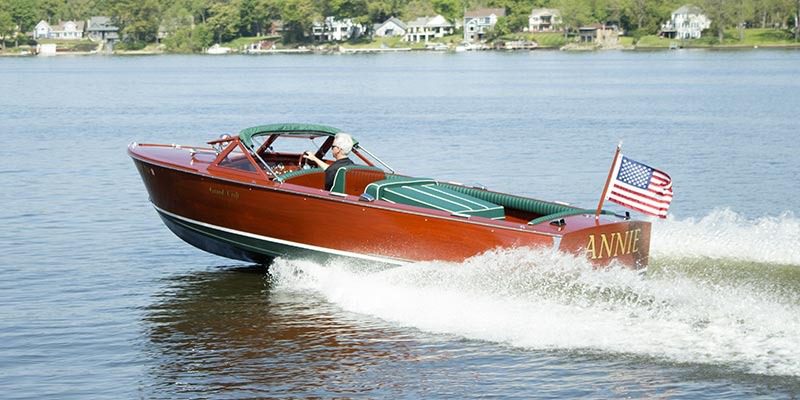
[302, 162]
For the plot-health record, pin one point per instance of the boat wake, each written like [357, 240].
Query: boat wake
[724, 234]
[705, 298]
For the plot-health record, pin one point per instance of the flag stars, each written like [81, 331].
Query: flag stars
[634, 173]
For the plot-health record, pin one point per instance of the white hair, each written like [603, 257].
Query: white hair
[344, 142]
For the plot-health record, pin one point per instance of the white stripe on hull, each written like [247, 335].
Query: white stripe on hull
[341, 253]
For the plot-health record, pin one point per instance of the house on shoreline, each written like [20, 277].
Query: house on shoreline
[602, 35]
[687, 22]
[478, 22]
[67, 30]
[336, 30]
[424, 29]
[390, 27]
[544, 20]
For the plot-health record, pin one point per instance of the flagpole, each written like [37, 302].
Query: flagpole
[608, 182]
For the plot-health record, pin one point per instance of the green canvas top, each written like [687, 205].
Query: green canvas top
[246, 135]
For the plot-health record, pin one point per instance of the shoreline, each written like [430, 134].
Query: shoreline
[357, 50]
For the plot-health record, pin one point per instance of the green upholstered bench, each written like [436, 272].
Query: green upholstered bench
[546, 210]
[428, 193]
[518, 202]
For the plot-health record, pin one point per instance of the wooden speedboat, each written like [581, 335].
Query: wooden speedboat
[252, 197]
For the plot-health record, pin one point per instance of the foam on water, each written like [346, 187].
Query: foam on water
[543, 300]
[727, 235]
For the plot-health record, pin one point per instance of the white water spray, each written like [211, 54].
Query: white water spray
[542, 300]
[726, 234]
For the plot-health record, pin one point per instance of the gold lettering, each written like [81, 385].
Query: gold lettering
[224, 192]
[628, 241]
[620, 242]
[605, 244]
[591, 247]
[614, 244]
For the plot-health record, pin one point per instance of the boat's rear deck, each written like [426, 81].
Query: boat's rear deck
[427, 193]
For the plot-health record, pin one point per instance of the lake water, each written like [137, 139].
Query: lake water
[99, 300]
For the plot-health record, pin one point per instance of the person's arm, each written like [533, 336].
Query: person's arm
[309, 156]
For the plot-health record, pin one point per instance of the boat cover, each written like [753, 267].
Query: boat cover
[246, 135]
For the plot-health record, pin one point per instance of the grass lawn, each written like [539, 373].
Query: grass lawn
[764, 37]
[626, 41]
[71, 45]
[752, 38]
[241, 42]
[544, 39]
[394, 42]
[653, 41]
[550, 39]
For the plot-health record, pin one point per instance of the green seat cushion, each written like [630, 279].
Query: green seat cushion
[428, 193]
[518, 202]
[546, 210]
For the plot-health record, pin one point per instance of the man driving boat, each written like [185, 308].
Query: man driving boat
[342, 144]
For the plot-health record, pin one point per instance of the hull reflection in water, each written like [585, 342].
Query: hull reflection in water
[228, 331]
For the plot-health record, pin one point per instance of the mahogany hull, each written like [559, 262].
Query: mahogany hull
[256, 222]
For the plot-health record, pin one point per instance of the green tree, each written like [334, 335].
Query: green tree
[298, 17]
[356, 10]
[417, 8]
[138, 20]
[574, 14]
[224, 21]
[77, 10]
[7, 27]
[249, 21]
[450, 9]
[722, 15]
[189, 40]
[381, 10]
[500, 29]
[23, 13]
[743, 11]
[267, 12]
[517, 11]
[51, 10]
[198, 8]
[175, 18]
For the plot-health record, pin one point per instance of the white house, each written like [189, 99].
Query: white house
[42, 30]
[478, 22]
[544, 20]
[390, 27]
[687, 22]
[68, 30]
[336, 30]
[426, 28]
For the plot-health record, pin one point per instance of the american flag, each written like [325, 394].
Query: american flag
[642, 188]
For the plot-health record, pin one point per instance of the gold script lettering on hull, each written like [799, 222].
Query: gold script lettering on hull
[613, 244]
[224, 193]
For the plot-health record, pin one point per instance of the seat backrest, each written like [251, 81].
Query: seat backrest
[314, 177]
[352, 179]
